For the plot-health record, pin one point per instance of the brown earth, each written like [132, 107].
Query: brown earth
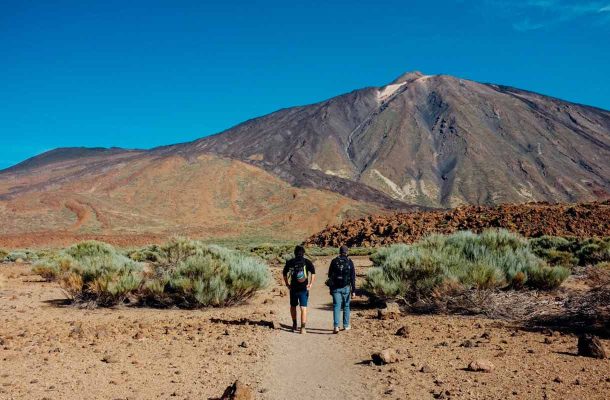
[52, 351]
[531, 220]
[135, 198]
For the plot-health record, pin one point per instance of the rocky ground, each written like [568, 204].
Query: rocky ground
[531, 220]
[55, 351]
[49, 350]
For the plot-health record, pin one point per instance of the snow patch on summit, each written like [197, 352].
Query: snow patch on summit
[388, 91]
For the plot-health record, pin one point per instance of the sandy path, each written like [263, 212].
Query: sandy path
[317, 365]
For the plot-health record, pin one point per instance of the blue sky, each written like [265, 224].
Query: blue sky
[139, 74]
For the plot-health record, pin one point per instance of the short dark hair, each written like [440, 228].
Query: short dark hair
[343, 250]
[299, 250]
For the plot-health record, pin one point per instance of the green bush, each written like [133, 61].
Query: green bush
[24, 255]
[593, 251]
[3, 254]
[182, 272]
[89, 249]
[571, 251]
[151, 253]
[603, 265]
[493, 259]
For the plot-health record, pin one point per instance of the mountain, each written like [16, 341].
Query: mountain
[426, 141]
[434, 141]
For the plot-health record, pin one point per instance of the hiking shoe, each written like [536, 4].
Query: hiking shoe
[303, 330]
[336, 330]
[347, 328]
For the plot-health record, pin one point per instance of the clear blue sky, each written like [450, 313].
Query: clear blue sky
[139, 74]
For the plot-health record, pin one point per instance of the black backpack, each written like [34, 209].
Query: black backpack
[341, 273]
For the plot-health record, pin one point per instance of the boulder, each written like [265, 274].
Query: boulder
[237, 391]
[403, 331]
[591, 346]
[387, 356]
[481, 365]
[392, 311]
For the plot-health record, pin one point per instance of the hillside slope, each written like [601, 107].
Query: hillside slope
[131, 193]
[431, 141]
[420, 141]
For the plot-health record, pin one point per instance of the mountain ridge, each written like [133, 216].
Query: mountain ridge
[419, 142]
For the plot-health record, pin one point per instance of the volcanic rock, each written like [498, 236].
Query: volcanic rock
[386, 356]
[590, 346]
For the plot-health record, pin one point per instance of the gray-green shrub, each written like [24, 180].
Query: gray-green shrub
[571, 251]
[24, 255]
[181, 272]
[492, 259]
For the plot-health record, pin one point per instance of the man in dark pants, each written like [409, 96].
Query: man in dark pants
[342, 283]
[299, 274]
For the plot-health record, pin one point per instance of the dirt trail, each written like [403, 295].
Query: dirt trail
[317, 365]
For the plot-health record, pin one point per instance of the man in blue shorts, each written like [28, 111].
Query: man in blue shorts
[299, 274]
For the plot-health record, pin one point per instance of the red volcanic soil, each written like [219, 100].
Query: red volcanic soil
[531, 220]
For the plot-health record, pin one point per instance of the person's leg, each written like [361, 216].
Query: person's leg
[293, 314]
[293, 309]
[336, 307]
[303, 300]
[346, 308]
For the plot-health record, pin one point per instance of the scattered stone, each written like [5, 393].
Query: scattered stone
[486, 335]
[591, 346]
[403, 331]
[467, 343]
[138, 336]
[392, 311]
[244, 345]
[558, 379]
[110, 359]
[237, 391]
[76, 331]
[481, 365]
[548, 340]
[387, 356]
[425, 368]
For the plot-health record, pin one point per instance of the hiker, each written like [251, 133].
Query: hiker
[342, 283]
[299, 274]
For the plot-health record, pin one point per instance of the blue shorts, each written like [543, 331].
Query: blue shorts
[299, 298]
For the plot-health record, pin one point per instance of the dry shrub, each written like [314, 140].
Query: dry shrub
[492, 260]
[582, 312]
[187, 273]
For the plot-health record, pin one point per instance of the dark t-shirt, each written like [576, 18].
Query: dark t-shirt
[290, 264]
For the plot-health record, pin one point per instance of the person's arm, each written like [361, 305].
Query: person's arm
[330, 267]
[353, 278]
[312, 271]
[285, 275]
